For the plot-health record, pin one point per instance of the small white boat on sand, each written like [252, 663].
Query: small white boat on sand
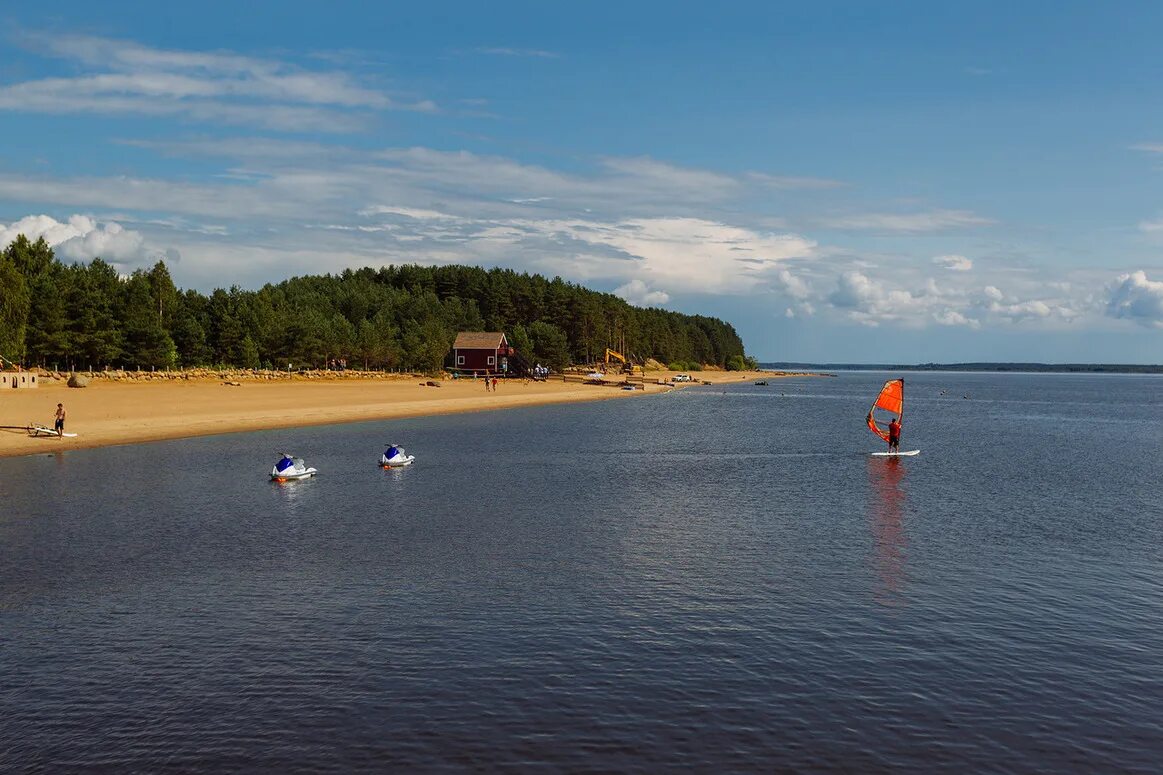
[395, 457]
[36, 431]
[290, 468]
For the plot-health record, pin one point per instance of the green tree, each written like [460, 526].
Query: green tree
[31, 259]
[164, 294]
[14, 302]
[519, 340]
[550, 346]
[147, 343]
[95, 309]
[48, 338]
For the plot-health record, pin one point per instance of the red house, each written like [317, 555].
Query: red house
[486, 352]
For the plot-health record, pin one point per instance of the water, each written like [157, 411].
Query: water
[718, 578]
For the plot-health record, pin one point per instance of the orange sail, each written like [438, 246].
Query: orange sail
[891, 399]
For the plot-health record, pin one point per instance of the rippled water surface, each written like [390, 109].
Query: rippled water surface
[718, 578]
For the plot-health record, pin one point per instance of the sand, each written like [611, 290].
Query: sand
[107, 412]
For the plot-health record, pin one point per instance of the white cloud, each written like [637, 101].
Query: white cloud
[790, 284]
[505, 51]
[935, 220]
[637, 292]
[951, 317]
[694, 254]
[82, 238]
[130, 78]
[803, 309]
[954, 263]
[660, 176]
[870, 302]
[415, 213]
[1133, 297]
[786, 182]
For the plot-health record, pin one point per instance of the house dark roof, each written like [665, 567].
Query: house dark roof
[478, 340]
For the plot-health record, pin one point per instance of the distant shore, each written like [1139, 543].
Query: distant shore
[126, 408]
[987, 367]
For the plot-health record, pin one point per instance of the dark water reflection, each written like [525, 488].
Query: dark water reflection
[886, 514]
[719, 578]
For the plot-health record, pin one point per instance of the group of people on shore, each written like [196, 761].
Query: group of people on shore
[490, 387]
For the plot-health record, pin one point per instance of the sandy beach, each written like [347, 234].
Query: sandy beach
[109, 412]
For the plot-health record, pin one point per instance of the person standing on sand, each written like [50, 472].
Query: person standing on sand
[494, 383]
[487, 386]
[59, 422]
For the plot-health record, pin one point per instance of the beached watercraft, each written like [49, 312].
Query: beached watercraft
[291, 468]
[40, 430]
[395, 457]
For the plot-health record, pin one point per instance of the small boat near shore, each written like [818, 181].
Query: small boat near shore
[290, 469]
[395, 457]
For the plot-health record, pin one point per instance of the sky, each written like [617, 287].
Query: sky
[844, 182]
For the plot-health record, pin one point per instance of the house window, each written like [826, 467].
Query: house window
[492, 360]
[460, 360]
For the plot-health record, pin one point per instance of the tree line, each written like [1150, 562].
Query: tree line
[87, 316]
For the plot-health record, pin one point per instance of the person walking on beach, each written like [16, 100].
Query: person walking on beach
[494, 383]
[487, 386]
[59, 422]
[894, 435]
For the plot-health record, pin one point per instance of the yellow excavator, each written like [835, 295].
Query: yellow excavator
[627, 367]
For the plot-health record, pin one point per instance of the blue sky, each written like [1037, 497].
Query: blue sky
[843, 181]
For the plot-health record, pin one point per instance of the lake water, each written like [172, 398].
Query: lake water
[719, 578]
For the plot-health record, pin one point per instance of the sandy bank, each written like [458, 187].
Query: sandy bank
[110, 412]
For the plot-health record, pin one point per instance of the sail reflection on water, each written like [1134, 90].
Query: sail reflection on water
[886, 515]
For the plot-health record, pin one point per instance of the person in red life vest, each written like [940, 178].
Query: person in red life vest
[894, 435]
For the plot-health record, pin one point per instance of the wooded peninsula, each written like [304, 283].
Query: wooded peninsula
[87, 316]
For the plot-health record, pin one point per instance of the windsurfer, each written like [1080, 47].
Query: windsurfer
[894, 435]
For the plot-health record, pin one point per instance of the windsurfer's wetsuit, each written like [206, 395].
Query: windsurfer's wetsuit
[894, 435]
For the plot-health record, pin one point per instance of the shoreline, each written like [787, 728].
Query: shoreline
[111, 413]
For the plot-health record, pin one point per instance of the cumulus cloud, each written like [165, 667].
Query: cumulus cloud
[638, 292]
[870, 302]
[951, 317]
[874, 302]
[1134, 297]
[954, 263]
[999, 307]
[81, 238]
[793, 286]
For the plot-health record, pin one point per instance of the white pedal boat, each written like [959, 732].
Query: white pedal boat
[395, 457]
[290, 468]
